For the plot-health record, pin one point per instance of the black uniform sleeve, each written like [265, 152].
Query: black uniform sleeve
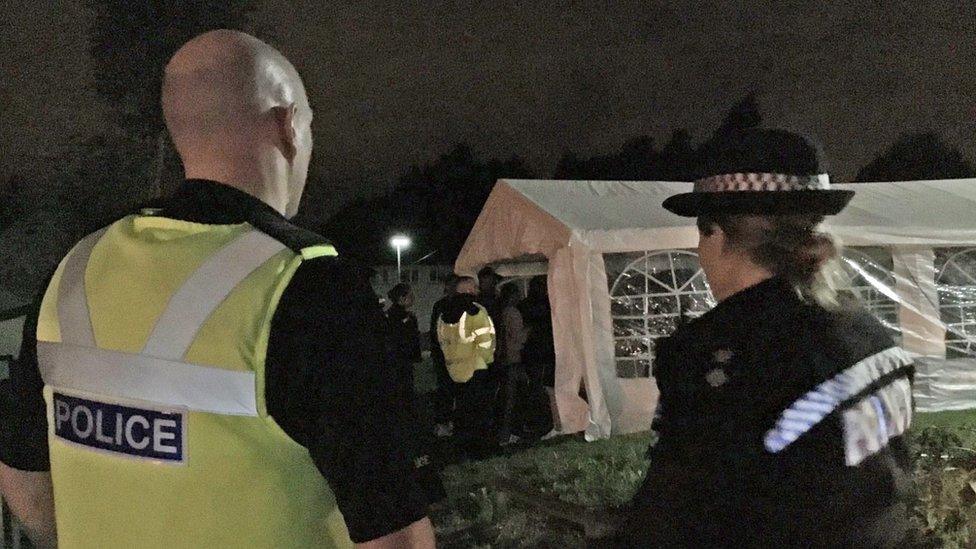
[672, 415]
[413, 329]
[331, 385]
[435, 313]
[23, 416]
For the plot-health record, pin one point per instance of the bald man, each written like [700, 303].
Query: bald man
[203, 373]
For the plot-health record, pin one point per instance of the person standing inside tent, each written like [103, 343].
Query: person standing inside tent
[539, 360]
[467, 336]
[511, 339]
[488, 281]
[781, 410]
[444, 395]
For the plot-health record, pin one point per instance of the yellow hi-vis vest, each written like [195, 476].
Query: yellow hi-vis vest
[468, 345]
[151, 341]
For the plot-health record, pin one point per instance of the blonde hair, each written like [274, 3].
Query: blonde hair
[790, 246]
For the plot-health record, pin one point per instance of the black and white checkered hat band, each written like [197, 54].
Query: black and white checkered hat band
[762, 182]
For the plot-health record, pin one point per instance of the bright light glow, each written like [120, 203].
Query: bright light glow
[400, 242]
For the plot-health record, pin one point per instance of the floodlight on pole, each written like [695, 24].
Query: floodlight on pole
[400, 242]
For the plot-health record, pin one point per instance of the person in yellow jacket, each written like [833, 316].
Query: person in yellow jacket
[203, 373]
[466, 333]
[467, 337]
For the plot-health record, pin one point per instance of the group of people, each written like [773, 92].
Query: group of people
[204, 373]
[492, 353]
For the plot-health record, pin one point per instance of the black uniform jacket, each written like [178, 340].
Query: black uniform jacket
[455, 307]
[406, 335]
[725, 380]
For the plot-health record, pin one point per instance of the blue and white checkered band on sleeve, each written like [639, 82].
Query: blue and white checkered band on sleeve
[814, 406]
[762, 182]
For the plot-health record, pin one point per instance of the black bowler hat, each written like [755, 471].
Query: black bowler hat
[764, 172]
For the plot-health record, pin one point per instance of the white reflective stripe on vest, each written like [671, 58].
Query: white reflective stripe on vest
[127, 376]
[157, 374]
[203, 292]
[463, 329]
[73, 316]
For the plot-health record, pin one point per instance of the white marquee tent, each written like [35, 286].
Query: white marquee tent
[622, 272]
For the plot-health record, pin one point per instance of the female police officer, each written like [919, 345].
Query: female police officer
[781, 409]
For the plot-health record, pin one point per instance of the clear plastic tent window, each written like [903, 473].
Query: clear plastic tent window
[956, 282]
[651, 294]
[654, 292]
[867, 274]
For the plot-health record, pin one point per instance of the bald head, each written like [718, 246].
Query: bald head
[237, 111]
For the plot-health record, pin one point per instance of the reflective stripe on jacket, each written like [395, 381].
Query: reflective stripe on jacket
[468, 345]
[151, 341]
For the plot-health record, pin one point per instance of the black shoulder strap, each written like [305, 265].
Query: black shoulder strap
[297, 239]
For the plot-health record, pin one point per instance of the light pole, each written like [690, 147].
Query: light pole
[400, 242]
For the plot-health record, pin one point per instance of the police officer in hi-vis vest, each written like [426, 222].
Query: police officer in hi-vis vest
[213, 375]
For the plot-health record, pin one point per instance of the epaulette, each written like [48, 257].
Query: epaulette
[301, 241]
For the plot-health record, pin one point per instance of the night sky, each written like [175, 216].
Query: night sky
[396, 83]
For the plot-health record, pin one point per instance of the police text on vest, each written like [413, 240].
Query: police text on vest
[136, 432]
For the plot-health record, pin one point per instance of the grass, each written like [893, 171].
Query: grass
[424, 378]
[603, 475]
[962, 422]
[945, 479]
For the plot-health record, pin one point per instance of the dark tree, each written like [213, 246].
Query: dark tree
[743, 115]
[447, 196]
[637, 159]
[130, 45]
[34, 233]
[360, 229]
[103, 177]
[132, 41]
[437, 204]
[10, 188]
[677, 160]
[917, 156]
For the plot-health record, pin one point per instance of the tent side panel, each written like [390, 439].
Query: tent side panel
[602, 391]
[940, 384]
[601, 326]
[566, 325]
[630, 402]
[639, 398]
[923, 332]
[950, 384]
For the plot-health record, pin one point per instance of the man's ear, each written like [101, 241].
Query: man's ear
[284, 119]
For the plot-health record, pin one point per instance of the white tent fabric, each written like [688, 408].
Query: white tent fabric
[573, 223]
